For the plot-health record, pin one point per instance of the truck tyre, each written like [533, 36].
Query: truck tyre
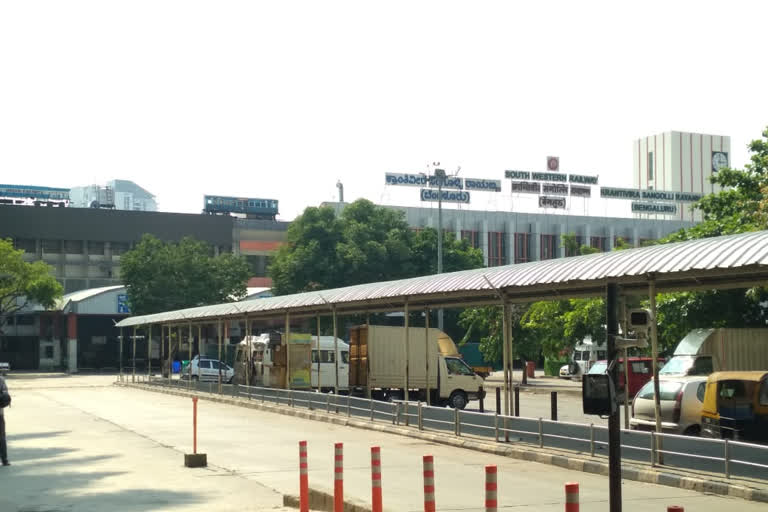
[458, 400]
[195, 377]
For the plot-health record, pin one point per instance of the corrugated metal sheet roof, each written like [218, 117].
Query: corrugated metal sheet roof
[737, 255]
[81, 295]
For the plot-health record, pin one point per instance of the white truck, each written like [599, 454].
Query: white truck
[703, 351]
[377, 366]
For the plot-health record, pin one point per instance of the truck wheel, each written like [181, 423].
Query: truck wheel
[458, 400]
[195, 377]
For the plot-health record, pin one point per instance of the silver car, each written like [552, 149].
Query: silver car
[681, 399]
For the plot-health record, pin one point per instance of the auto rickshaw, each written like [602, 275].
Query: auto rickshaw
[736, 406]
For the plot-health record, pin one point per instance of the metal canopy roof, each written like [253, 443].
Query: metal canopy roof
[731, 261]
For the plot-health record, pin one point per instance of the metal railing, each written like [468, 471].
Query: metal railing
[731, 458]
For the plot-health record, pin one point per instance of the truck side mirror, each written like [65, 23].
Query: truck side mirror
[598, 394]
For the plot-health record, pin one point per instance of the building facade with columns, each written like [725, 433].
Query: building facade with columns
[507, 237]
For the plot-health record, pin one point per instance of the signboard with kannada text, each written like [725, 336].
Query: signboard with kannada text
[448, 196]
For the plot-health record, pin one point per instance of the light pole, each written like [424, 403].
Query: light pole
[440, 178]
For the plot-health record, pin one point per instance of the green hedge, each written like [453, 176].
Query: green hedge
[552, 367]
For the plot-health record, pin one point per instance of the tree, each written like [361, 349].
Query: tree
[23, 284]
[162, 276]
[366, 243]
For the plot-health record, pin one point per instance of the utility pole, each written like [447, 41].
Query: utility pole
[440, 178]
[614, 426]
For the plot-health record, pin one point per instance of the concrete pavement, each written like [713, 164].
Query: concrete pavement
[78, 448]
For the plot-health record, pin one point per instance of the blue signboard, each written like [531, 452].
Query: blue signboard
[122, 304]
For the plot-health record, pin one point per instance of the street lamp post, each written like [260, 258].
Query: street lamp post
[440, 178]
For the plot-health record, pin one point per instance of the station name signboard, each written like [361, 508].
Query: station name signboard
[526, 187]
[422, 180]
[551, 202]
[482, 185]
[557, 189]
[448, 196]
[653, 195]
[664, 208]
[581, 191]
[551, 176]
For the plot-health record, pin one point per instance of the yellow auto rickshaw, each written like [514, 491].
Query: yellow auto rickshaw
[736, 406]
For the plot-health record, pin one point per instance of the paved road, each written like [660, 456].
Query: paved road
[79, 448]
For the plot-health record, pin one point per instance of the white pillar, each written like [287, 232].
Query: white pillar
[611, 236]
[559, 242]
[72, 355]
[536, 242]
[635, 237]
[484, 242]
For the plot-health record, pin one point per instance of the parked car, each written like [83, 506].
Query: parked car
[736, 406]
[5, 368]
[640, 372]
[208, 369]
[681, 400]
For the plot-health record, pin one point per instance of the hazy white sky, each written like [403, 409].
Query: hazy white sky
[282, 99]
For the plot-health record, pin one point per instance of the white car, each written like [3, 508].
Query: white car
[681, 401]
[5, 368]
[208, 369]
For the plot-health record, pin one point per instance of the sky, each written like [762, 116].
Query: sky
[283, 99]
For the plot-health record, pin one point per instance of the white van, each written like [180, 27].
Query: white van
[585, 354]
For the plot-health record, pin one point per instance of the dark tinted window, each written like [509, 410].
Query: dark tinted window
[700, 391]
[668, 390]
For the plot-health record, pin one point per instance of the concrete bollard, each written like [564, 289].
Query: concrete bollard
[572, 497]
[376, 479]
[429, 483]
[338, 477]
[303, 478]
[491, 501]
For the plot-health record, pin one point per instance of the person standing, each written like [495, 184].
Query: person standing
[3, 445]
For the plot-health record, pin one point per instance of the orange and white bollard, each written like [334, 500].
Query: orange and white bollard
[675, 508]
[491, 487]
[303, 478]
[429, 484]
[572, 497]
[376, 479]
[338, 477]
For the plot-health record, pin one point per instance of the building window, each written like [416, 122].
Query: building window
[548, 247]
[497, 250]
[597, 242]
[52, 246]
[119, 248]
[650, 166]
[24, 244]
[522, 243]
[471, 237]
[95, 248]
[73, 246]
[127, 202]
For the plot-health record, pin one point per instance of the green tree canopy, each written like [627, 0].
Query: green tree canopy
[366, 243]
[22, 283]
[162, 276]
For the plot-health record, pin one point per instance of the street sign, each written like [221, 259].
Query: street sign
[122, 304]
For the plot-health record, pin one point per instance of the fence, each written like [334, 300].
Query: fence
[732, 458]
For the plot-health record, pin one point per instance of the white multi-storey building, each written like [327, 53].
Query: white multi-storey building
[679, 162]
